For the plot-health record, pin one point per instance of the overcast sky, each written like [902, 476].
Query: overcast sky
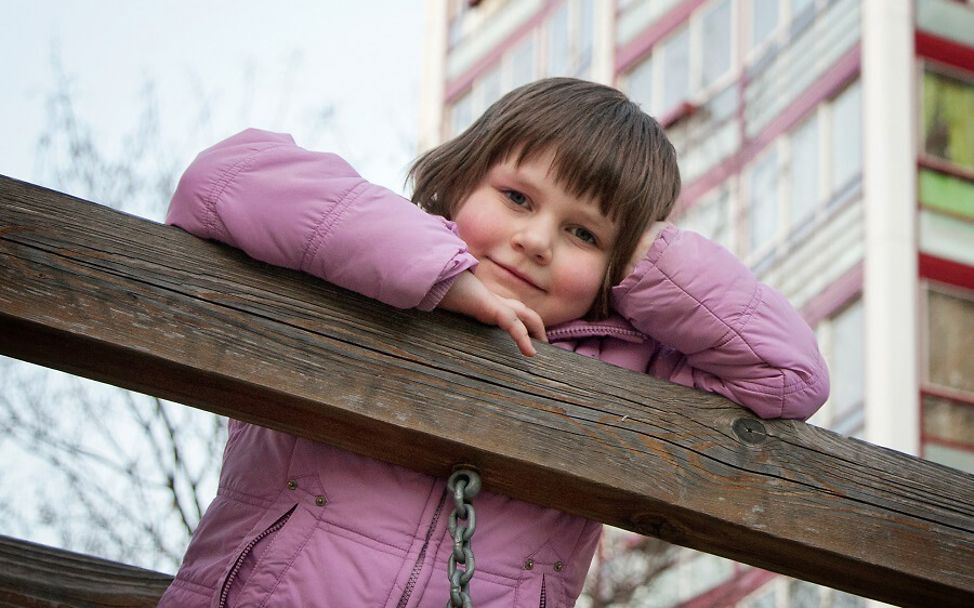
[274, 65]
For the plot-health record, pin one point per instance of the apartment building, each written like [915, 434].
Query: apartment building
[828, 143]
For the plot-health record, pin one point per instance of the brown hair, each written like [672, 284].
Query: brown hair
[604, 147]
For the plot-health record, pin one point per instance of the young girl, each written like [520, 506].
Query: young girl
[545, 218]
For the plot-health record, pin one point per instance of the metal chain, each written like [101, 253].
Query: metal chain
[464, 484]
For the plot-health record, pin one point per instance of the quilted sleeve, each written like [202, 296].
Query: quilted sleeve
[311, 211]
[721, 330]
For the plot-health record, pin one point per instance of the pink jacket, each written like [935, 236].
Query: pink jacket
[299, 523]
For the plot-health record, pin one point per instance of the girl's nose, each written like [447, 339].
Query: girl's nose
[533, 241]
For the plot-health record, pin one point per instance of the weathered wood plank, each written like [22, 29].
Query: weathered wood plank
[36, 576]
[101, 294]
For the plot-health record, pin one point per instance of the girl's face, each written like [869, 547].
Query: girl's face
[536, 242]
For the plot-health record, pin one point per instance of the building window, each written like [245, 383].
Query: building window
[456, 13]
[763, 201]
[841, 337]
[716, 43]
[820, 160]
[951, 20]
[950, 341]
[559, 50]
[948, 127]
[948, 432]
[798, 8]
[688, 576]
[848, 361]
[489, 87]
[802, 593]
[710, 216]
[570, 39]
[948, 420]
[461, 114]
[676, 70]
[765, 597]
[585, 37]
[691, 64]
[950, 456]
[522, 62]
[947, 193]
[639, 85]
[840, 599]
[846, 138]
[764, 21]
[804, 172]
[801, 14]
[948, 396]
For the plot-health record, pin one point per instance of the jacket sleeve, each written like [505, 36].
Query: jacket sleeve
[311, 211]
[721, 330]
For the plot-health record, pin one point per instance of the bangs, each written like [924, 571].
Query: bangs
[606, 172]
[610, 153]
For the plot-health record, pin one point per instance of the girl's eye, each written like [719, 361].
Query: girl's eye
[516, 197]
[584, 235]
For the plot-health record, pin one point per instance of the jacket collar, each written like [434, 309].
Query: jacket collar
[614, 326]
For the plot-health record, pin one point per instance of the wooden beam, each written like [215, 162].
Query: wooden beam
[36, 576]
[109, 296]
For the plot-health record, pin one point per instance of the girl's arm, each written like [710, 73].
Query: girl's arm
[311, 211]
[720, 329]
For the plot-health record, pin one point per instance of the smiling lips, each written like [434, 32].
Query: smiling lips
[517, 275]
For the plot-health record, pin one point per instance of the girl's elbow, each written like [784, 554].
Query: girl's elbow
[807, 397]
[188, 208]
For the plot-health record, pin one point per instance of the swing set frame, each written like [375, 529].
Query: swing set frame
[148, 307]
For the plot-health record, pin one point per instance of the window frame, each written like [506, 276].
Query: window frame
[753, 251]
[925, 65]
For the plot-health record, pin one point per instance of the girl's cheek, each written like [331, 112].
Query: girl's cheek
[585, 279]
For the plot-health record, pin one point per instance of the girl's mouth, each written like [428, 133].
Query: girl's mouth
[517, 275]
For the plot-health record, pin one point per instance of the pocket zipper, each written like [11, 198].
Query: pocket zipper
[418, 566]
[277, 525]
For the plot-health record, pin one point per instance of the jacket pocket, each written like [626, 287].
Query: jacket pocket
[248, 559]
[541, 591]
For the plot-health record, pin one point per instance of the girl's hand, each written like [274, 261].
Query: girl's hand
[468, 296]
[642, 247]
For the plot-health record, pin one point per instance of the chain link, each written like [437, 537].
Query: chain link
[464, 484]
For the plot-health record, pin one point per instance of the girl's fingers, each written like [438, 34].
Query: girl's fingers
[509, 321]
[532, 321]
[524, 324]
[524, 344]
[469, 296]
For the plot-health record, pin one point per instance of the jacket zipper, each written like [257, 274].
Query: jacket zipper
[225, 591]
[544, 599]
[418, 566]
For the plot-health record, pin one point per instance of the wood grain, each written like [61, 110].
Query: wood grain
[36, 576]
[119, 299]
